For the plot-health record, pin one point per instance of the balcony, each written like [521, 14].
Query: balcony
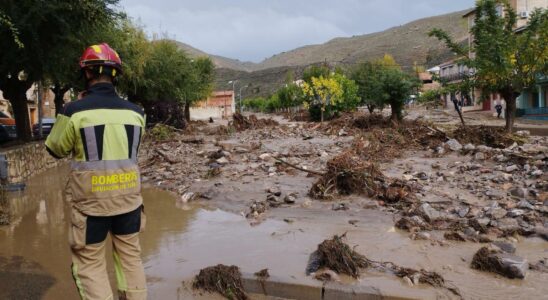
[454, 76]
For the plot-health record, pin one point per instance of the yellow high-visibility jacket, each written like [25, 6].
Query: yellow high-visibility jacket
[103, 133]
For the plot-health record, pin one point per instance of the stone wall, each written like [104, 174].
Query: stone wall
[28, 160]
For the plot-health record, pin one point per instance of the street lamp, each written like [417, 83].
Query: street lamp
[233, 82]
[239, 107]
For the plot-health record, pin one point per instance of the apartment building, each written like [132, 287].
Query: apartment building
[532, 103]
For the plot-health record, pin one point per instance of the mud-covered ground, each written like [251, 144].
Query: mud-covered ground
[452, 199]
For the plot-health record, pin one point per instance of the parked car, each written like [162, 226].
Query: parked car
[47, 124]
[8, 131]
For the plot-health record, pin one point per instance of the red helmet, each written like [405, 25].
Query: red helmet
[101, 55]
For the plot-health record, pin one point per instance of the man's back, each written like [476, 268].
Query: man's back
[103, 132]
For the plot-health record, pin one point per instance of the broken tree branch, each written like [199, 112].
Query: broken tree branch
[298, 168]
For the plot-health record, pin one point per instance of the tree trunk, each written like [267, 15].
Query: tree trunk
[371, 108]
[59, 99]
[187, 111]
[396, 115]
[16, 92]
[510, 97]
[321, 114]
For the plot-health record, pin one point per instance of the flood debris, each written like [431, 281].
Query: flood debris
[262, 274]
[225, 280]
[257, 208]
[495, 137]
[241, 122]
[494, 259]
[347, 174]
[336, 255]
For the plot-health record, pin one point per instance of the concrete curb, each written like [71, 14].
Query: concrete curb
[277, 287]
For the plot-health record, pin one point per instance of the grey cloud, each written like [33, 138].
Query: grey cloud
[257, 29]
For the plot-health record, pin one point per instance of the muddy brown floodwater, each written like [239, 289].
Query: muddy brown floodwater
[181, 239]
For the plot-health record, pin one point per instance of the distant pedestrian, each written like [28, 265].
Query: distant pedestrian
[498, 108]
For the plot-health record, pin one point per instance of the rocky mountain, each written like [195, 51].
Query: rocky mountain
[409, 44]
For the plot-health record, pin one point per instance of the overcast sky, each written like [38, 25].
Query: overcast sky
[252, 30]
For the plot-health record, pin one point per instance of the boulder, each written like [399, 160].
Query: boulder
[429, 213]
[454, 145]
[511, 168]
[479, 156]
[493, 259]
[469, 147]
[518, 192]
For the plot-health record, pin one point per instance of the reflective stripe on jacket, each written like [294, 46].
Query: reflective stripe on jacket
[103, 132]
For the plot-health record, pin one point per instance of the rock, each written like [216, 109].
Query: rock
[408, 281]
[412, 223]
[306, 204]
[537, 173]
[479, 224]
[222, 161]
[501, 158]
[496, 261]
[265, 156]
[407, 177]
[340, 206]
[513, 146]
[505, 246]
[525, 205]
[421, 235]
[511, 168]
[455, 236]
[454, 145]
[495, 194]
[290, 199]
[483, 148]
[479, 156]
[518, 192]
[497, 213]
[188, 197]
[513, 213]
[523, 133]
[429, 213]
[274, 191]
[440, 150]
[422, 176]
[327, 275]
[462, 212]
[507, 224]
[469, 147]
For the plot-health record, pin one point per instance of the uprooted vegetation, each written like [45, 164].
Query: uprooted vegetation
[494, 137]
[225, 280]
[348, 174]
[334, 254]
[241, 122]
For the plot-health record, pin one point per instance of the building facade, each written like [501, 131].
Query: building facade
[531, 103]
[220, 105]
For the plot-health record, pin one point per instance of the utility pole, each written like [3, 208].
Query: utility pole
[40, 112]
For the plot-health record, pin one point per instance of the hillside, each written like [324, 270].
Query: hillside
[409, 44]
[220, 61]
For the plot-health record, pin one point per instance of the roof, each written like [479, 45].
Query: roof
[471, 12]
[223, 93]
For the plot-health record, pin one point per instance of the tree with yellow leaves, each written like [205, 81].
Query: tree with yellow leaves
[324, 91]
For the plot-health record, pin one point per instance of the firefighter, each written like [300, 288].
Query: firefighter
[103, 132]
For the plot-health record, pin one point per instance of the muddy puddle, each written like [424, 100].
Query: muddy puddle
[182, 239]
